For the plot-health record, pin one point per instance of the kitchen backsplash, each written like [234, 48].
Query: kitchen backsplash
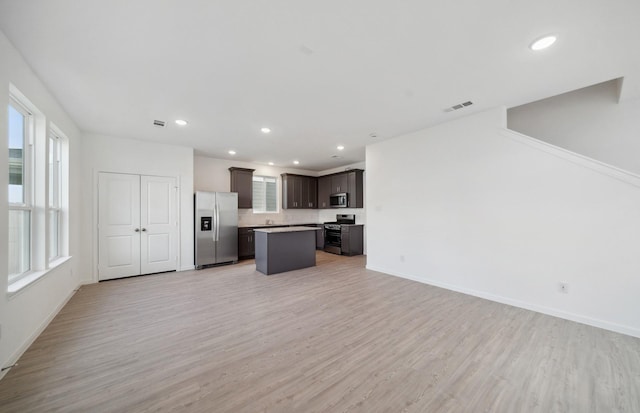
[247, 218]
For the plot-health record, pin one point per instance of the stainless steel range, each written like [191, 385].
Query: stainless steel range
[333, 232]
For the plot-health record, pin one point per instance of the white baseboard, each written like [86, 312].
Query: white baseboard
[29, 341]
[187, 268]
[594, 322]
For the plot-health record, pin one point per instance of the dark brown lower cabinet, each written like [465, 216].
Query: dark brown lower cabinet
[352, 239]
[246, 243]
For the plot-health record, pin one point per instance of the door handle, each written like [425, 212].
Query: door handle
[144, 230]
[216, 235]
[137, 230]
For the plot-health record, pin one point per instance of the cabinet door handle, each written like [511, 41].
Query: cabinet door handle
[137, 230]
[144, 230]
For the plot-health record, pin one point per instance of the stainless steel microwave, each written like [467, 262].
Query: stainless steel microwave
[338, 200]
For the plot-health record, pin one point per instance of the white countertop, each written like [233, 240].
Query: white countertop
[286, 229]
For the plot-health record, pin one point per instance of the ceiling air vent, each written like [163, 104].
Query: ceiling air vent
[158, 123]
[459, 106]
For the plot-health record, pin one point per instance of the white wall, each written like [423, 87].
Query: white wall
[25, 314]
[473, 207]
[110, 154]
[212, 174]
[588, 121]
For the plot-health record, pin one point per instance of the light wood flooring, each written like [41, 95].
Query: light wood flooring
[333, 338]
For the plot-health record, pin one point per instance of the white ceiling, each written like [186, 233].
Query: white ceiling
[318, 73]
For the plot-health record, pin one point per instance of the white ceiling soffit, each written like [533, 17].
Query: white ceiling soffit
[318, 74]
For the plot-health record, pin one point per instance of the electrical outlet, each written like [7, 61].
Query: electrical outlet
[563, 288]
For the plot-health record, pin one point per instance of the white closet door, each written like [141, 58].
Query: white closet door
[118, 225]
[159, 227]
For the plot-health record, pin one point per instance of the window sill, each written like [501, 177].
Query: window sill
[17, 286]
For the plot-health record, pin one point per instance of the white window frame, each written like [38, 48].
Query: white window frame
[54, 190]
[27, 179]
[36, 194]
[263, 177]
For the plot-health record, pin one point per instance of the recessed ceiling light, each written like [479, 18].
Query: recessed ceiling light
[296, 162]
[181, 122]
[265, 130]
[270, 163]
[543, 43]
[340, 147]
[232, 152]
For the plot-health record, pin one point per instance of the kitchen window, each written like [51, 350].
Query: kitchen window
[265, 197]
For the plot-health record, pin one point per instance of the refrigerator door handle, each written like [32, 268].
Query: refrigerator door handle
[215, 223]
[217, 208]
[219, 223]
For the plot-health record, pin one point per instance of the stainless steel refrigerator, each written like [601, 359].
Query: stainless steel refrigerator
[216, 228]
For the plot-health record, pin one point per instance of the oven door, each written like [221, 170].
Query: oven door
[333, 241]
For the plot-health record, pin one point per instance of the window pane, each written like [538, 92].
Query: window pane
[19, 242]
[258, 196]
[52, 143]
[271, 197]
[54, 219]
[54, 172]
[16, 156]
[264, 194]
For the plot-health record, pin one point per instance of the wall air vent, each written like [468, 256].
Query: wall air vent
[459, 106]
[158, 123]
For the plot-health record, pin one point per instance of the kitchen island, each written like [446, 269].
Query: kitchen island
[285, 249]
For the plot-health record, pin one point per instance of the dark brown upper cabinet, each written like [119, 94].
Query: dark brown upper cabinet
[311, 194]
[324, 190]
[350, 182]
[299, 191]
[339, 183]
[355, 191]
[242, 183]
[308, 192]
